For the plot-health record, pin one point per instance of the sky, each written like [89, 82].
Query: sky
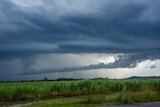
[79, 39]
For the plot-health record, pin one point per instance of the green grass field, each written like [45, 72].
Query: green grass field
[82, 92]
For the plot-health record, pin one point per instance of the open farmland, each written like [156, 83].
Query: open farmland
[108, 91]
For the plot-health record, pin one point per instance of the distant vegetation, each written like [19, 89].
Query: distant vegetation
[126, 91]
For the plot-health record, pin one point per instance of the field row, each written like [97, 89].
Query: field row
[20, 91]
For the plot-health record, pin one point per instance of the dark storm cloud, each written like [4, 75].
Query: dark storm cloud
[108, 25]
[29, 28]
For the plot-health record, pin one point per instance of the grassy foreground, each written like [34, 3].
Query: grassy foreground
[81, 93]
[76, 101]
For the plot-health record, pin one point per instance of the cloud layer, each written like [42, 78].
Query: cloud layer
[117, 61]
[73, 26]
[32, 30]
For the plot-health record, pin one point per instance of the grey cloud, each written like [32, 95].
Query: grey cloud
[117, 25]
[153, 66]
[43, 64]
[29, 28]
[123, 61]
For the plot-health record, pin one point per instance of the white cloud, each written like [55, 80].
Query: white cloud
[146, 64]
[107, 60]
